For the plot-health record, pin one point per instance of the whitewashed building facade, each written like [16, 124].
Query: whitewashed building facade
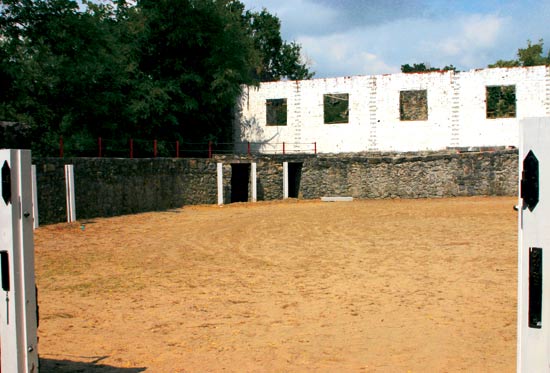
[396, 112]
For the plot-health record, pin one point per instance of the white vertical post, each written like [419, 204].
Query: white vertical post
[285, 180]
[533, 321]
[254, 182]
[69, 189]
[34, 197]
[18, 342]
[220, 183]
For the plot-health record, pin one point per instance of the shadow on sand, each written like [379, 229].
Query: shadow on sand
[60, 366]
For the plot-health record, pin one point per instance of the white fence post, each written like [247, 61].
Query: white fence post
[34, 197]
[533, 321]
[69, 189]
[254, 182]
[285, 180]
[220, 183]
[18, 318]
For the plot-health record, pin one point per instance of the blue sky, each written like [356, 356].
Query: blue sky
[358, 37]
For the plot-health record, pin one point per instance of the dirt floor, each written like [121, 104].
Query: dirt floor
[366, 286]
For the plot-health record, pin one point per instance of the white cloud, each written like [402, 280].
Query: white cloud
[338, 54]
[483, 30]
[461, 41]
[298, 16]
[352, 37]
[473, 33]
[306, 17]
[373, 64]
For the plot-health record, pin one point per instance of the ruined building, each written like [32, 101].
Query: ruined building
[394, 112]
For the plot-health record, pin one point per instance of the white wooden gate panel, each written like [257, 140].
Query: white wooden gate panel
[18, 316]
[533, 352]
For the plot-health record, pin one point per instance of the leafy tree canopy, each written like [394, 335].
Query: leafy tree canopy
[532, 55]
[165, 69]
[423, 67]
[279, 59]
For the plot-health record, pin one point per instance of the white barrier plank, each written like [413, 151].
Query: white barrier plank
[254, 183]
[533, 318]
[18, 319]
[70, 193]
[220, 183]
[34, 197]
[336, 199]
[285, 180]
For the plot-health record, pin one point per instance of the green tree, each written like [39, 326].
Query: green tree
[532, 55]
[69, 71]
[279, 59]
[166, 69]
[194, 56]
[423, 67]
[505, 63]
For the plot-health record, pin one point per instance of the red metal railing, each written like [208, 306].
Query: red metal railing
[175, 149]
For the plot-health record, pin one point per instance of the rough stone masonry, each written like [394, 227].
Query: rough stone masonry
[114, 186]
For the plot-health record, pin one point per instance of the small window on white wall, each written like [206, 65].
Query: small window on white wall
[276, 112]
[413, 105]
[501, 101]
[336, 108]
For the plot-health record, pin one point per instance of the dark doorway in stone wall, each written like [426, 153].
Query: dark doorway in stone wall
[240, 180]
[294, 178]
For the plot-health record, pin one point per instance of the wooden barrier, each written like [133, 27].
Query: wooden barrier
[18, 315]
[534, 246]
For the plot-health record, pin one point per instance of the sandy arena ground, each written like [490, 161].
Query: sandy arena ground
[307, 286]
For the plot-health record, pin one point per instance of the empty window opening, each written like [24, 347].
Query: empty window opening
[240, 180]
[501, 101]
[336, 108]
[294, 178]
[413, 105]
[276, 112]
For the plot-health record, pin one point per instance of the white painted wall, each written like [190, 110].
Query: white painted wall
[531, 101]
[456, 112]
[396, 135]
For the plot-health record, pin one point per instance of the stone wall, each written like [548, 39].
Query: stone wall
[404, 175]
[412, 176]
[109, 187]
